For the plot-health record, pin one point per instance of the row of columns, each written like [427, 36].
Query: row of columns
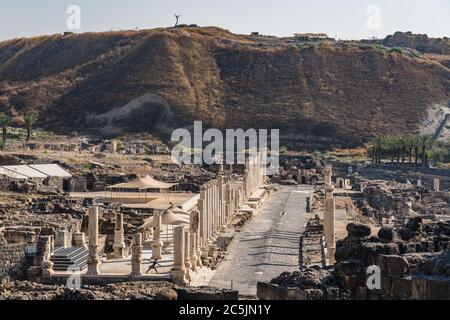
[213, 211]
[255, 173]
[219, 202]
[329, 215]
[119, 244]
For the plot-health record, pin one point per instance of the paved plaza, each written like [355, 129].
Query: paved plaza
[269, 243]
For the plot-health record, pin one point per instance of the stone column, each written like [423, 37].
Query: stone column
[237, 198]
[93, 259]
[119, 238]
[213, 209]
[208, 212]
[227, 198]
[227, 213]
[201, 222]
[178, 271]
[187, 251]
[419, 182]
[194, 237]
[437, 184]
[218, 224]
[221, 201]
[329, 223]
[44, 250]
[62, 239]
[246, 183]
[157, 242]
[79, 240]
[327, 171]
[193, 250]
[136, 255]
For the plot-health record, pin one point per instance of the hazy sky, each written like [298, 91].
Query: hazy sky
[344, 19]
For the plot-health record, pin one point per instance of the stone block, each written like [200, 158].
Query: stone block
[437, 289]
[401, 288]
[419, 288]
[368, 252]
[396, 266]
[380, 261]
[361, 293]
[386, 283]
[290, 294]
[265, 291]
[301, 294]
[391, 249]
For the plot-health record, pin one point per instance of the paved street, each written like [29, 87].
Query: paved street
[268, 245]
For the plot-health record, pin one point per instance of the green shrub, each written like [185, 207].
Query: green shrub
[397, 50]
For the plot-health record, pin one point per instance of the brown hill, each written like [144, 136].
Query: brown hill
[155, 80]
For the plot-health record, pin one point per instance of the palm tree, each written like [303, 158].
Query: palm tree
[411, 143]
[376, 145]
[389, 146]
[5, 120]
[29, 120]
[425, 143]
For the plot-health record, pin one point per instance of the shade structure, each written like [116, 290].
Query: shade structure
[173, 216]
[143, 183]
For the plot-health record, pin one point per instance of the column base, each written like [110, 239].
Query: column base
[93, 269]
[156, 249]
[179, 277]
[119, 251]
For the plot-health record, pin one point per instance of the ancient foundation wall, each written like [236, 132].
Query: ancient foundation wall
[12, 259]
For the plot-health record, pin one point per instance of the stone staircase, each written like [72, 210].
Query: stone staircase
[72, 257]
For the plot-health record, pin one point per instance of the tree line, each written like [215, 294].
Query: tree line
[6, 120]
[410, 149]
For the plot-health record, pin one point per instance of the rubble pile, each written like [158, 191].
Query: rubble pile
[392, 202]
[23, 214]
[24, 290]
[420, 250]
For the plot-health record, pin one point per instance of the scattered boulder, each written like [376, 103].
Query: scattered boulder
[415, 224]
[388, 234]
[166, 294]
[437, 265]
[358, 230]
[407, 234]
[310, 278]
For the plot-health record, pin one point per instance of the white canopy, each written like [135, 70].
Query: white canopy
[172, 216]
[144, 183]
[40, 171]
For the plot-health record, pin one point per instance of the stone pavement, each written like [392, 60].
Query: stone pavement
[268, 245]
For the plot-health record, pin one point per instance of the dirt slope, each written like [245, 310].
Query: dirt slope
[324, 91]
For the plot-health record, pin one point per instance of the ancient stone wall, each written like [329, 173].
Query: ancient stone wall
[12, 259]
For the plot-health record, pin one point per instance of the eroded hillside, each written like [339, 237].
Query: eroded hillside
[155, 80]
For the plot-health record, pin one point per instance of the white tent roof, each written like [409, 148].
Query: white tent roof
[146, 182]
[51, 170]
[11, 174]
[25, 171]
[41, 171]
[172, 216]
